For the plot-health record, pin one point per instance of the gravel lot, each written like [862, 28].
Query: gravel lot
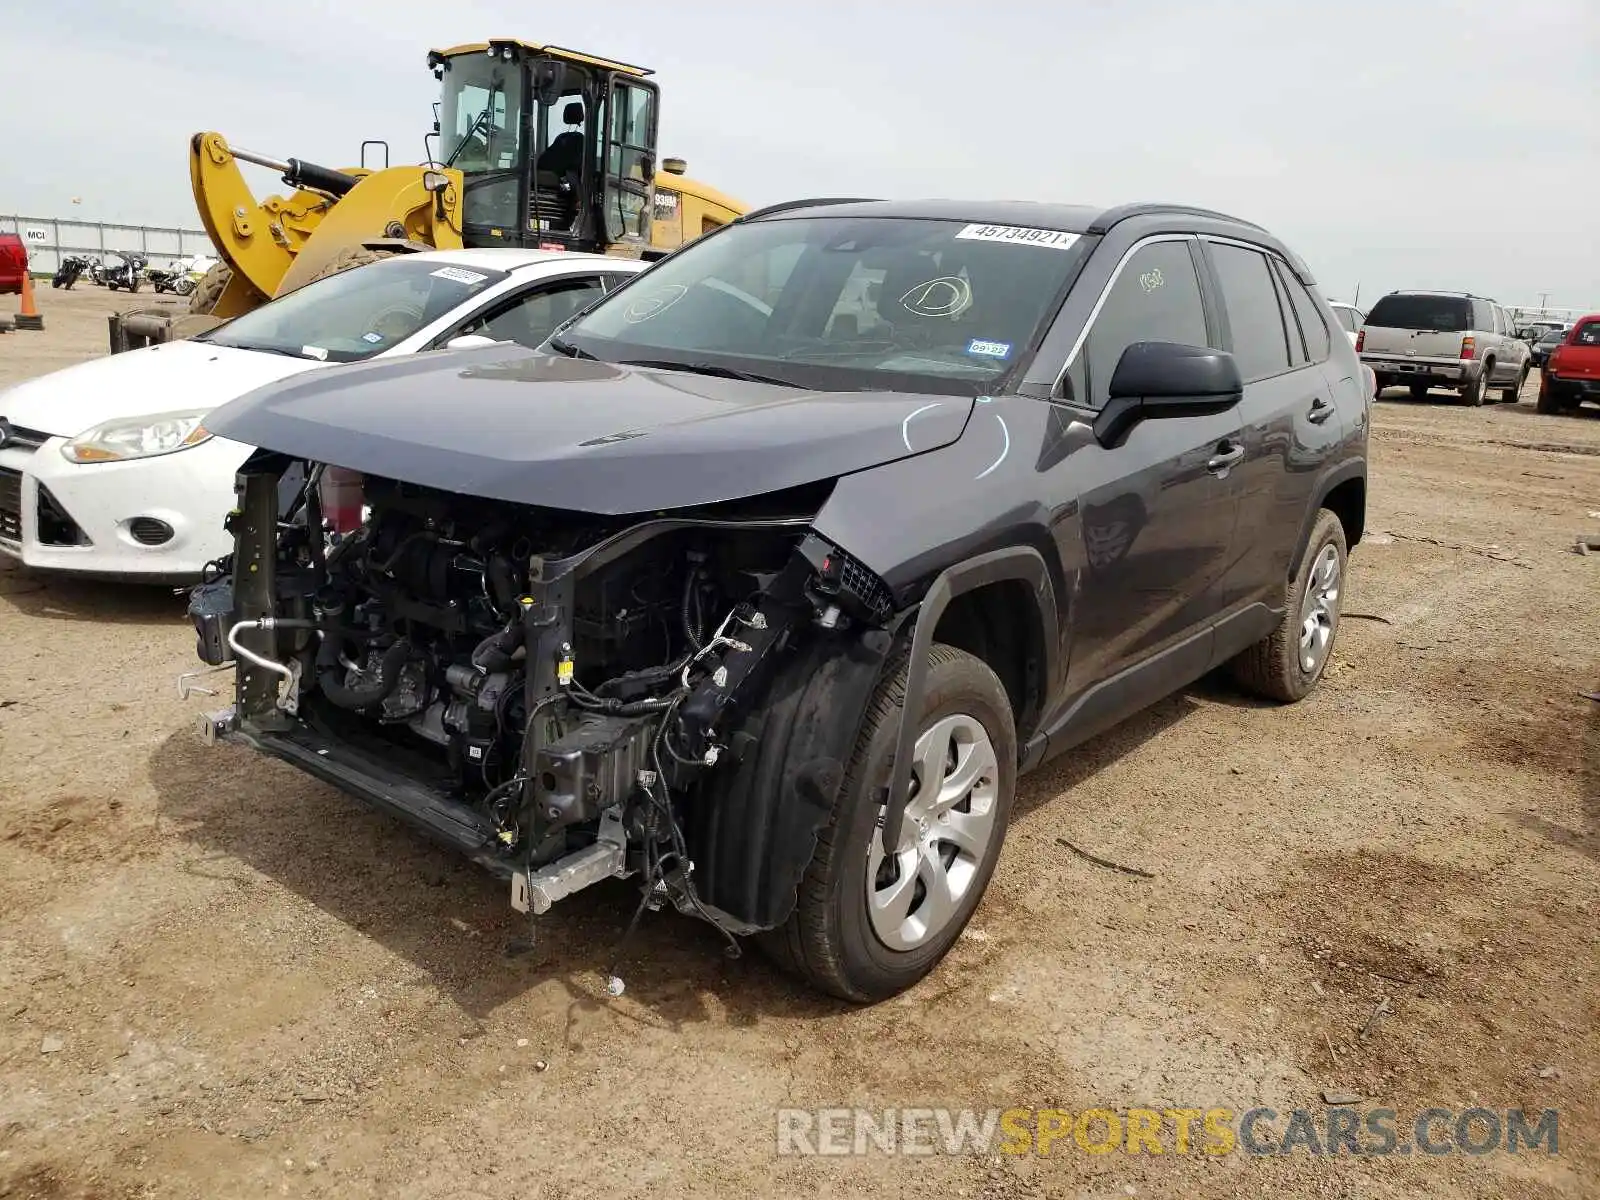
[219, 978]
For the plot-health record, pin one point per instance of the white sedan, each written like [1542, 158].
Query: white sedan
[106, 468]
[1350, 318]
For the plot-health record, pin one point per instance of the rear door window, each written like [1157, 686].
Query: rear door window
[1260, 340]
[1297, 343]
[1313, 328]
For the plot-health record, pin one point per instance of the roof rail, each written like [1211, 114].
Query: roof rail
[816, 201]
[1104, 222]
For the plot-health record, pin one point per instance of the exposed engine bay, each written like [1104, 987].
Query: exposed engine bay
[551, 692]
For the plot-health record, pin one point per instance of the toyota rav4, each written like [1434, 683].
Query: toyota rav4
[764, 580]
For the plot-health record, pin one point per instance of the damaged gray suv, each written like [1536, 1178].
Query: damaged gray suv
[764, 580]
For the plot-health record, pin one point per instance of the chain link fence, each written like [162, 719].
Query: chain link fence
[49, 239]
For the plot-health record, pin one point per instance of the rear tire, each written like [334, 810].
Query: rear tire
[210, 288]
[1472, 394]
[846, 936]
[1547, 402]
[1287, 664]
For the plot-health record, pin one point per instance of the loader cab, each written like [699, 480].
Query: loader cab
[556, 149]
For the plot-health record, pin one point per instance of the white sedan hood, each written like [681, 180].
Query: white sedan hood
[170, 377]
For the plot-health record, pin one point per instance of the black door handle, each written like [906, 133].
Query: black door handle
[1227, 454]
[1321, 410]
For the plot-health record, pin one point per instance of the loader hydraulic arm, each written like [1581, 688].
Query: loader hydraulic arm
[277, 244]
[299, 174]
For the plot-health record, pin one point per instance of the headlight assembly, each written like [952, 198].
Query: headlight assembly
[137, 437]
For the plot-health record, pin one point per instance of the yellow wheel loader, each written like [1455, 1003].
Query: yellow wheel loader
[533, 145]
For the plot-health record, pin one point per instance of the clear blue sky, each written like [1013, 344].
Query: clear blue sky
[1403, 143]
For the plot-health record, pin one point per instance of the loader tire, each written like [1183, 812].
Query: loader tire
[350, 258]
[209, 290]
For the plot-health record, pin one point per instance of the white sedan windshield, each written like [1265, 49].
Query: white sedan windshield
[357, 313]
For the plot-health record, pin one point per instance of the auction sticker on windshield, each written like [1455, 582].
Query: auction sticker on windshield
[1053, 239]
[458, 275]
[988, 349]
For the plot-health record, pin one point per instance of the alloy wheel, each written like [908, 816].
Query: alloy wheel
[1319, 611]
[949, 824]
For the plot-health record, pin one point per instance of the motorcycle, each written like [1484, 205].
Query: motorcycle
[174, 280]
[126, 270]
[67, 273]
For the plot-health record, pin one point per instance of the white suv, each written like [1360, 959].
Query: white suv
[1444, 339]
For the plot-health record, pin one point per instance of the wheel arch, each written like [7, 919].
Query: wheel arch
[975, 577]
[1343, 492]
[754, 830]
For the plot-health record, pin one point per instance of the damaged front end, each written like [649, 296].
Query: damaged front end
[562, 697]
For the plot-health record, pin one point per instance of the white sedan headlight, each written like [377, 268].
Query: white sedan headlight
[137, 437]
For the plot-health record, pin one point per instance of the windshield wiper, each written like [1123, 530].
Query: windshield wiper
[259, 348]
[703, 368]
[567, 348]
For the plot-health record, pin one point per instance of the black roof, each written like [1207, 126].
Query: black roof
[1069, 218]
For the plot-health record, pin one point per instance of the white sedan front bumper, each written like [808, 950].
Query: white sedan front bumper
[158, 519]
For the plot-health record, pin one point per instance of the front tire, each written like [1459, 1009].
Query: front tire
[209, 290]
[1512, 393]
[866, 925]
[349, 259]
[1286, 665]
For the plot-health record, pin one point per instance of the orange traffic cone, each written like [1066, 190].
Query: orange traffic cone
[29, 317]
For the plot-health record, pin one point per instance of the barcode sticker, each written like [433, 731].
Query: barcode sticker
[1053, 239]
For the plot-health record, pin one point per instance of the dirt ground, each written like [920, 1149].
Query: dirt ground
[219, 978]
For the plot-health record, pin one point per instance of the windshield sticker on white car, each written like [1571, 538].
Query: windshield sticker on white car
[1053, 239]
[459, 275]
[987, 349]
[942, 297]
[372, 336]
[316, 352]
[653, 304]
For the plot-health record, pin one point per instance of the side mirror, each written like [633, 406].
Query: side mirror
[1155, 380]
[549, 76]
[470, 341]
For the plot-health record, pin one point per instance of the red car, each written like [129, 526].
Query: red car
[13, 263]
[1571, 374]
